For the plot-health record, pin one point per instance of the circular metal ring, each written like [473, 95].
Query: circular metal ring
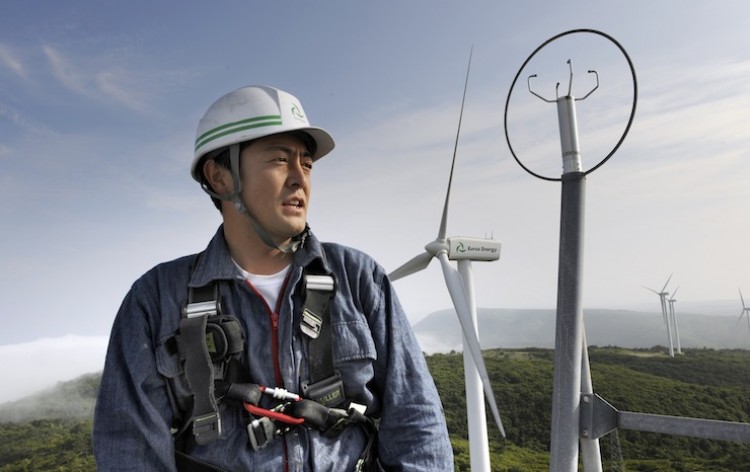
[632, 111]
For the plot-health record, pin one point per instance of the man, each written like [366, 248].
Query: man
[202, 346]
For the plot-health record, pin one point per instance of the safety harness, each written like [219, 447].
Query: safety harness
[210, 345]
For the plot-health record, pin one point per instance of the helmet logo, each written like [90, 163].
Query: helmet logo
[297, 113]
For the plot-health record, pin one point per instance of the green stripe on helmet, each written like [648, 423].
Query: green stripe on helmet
[237, 126]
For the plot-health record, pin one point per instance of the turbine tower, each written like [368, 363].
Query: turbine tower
[745, 310]
[460, 287]
[663, 299]
[673, 317]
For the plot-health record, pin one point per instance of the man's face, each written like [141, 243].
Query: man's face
[275, 172]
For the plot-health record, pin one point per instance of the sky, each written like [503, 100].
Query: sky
[99, 102]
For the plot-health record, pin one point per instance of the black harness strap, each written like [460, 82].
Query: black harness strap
[191, 343]
[324, 384]
[319, 293]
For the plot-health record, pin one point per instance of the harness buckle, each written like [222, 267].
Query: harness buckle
[319, 289]
[328, 392]
[207, 428]
[261, 432]
[311, 324]
[323, 283]
[339, 419]
[195, 309]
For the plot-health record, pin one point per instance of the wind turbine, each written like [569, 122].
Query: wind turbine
[745, 310]
[663, 298]
[460, 286]
[673, 317]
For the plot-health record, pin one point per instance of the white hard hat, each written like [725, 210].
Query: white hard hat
[249, 113]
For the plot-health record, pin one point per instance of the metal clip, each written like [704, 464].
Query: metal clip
[323, 283]
[207, 428]
[311, 324]
[193, 310]
[260, 432]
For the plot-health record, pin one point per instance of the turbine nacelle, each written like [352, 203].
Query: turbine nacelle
[473, 249]
[465, 248]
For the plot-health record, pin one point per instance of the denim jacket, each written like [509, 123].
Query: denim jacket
[375, 350]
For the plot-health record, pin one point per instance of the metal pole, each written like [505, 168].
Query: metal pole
[566, 393]
[479, 450]
[590, 450]
[674, 325]
[668, 320]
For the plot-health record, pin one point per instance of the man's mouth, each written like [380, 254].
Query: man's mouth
[294, 202]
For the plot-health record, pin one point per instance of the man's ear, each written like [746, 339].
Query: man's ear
[218, 177]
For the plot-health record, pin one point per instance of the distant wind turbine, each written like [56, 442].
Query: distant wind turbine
[460, 286]
[745, 310]
[663, 299]
[673, 316]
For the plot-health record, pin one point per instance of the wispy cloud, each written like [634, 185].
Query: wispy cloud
[114, 84]
[66, 73]
[107, 85]
[21, 121]
[9, 60]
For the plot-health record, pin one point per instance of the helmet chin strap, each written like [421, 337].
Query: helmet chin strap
[289, 248]
[239, 205]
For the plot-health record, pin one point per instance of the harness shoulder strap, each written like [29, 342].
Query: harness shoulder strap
[203, 332]
[324, 384]
[191, 344]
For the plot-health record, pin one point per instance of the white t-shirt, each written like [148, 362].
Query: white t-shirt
[268, 286]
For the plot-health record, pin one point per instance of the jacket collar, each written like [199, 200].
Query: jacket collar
[215, 263]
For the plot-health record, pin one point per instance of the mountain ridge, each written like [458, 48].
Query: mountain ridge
[521, 328]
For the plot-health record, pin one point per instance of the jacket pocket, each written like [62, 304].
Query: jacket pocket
[354, 357]
[353, 341]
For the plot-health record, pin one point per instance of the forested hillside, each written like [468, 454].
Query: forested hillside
[700, 383]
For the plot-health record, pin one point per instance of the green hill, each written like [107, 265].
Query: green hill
[51, 430]
[701, 384]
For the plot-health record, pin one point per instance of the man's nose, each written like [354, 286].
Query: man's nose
[296, 172]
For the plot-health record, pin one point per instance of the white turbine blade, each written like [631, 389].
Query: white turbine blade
[675, 292]
[740, 318]
[743, 300]
[667, 283]
[444, 219]
[651, 290]
[415, 264]
[456, 289]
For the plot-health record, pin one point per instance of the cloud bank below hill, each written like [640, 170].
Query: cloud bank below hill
[32, 366]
